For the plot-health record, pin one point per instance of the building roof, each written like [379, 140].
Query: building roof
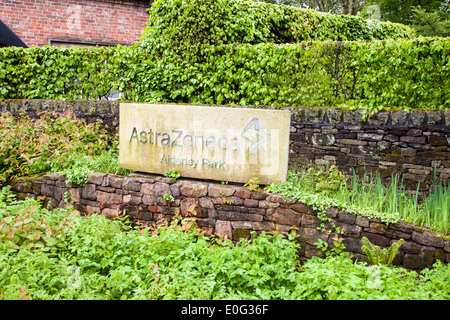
[9, 38]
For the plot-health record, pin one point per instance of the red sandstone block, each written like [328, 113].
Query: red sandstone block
[243, 193]
[92, 210]
[251, 203]
[276, 198]
[154, 209]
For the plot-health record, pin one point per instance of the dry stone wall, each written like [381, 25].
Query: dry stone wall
[232, 211]
[415, 144]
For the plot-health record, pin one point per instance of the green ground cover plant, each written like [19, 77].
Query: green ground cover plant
[98, 258]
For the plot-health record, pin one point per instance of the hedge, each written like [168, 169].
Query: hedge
[376, 75]
[217, 22]
[57, 73]
[235, 52]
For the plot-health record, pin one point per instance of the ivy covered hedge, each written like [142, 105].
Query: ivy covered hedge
[247, 53]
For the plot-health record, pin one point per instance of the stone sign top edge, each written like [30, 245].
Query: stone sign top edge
[263, 109]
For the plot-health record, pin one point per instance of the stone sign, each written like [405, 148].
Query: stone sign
[217, 143]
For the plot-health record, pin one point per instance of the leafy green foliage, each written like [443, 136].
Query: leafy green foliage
[30, 146]
[436, 23]
[97, 258]
[76, 166]
[213, 22]
[26, 225]
[57, 73]
[173, 174]
[246, 53]
[378, 256]
[322, 188]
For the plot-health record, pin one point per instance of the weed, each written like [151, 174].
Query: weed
[173, 174]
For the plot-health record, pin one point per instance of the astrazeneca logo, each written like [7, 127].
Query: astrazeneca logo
[252, 134]
[259, 137]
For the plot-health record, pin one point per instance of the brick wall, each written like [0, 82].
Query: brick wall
[107, 21]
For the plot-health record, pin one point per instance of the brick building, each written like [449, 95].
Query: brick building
[72, 22]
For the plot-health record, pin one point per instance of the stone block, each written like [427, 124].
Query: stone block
[217, 190]
[414, 132]
[193, 189]
[206, 222]
[378, 119]
[322, 139]
[353, 116]
[410, 139]
[370, 136]
[96, 178]
[408, 152]
[223, 229]
[211, 160]
[352, 142]
[92, 209]
[399, 118]
[110, 213]
[255, 217]
[241, 224]
[413, 261]
[438, 140]
[349, 218]
[391, 138]
[410, 247]
[377, 239]
[58, 193]
[301, 208]
[75, 194]
[362, 221]
[232, 216]
[266, 204]
[276, 198]
[447, 245]
[352, 244]
[434, 117]
[109, 198]
[131, 184]
[334, 115]
[350, 230]
[47, 190]
[417, 117]
[310, 221]
[159, 189]
[148, 199]
[263, 225]
[243, 193]
[259, 195]
[251, 203]
[310, 235]
[427, 239]
[284, 216]
[206, 203]
[175, 189]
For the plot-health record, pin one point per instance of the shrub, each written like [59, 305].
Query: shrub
[57, 73]
[184, 23]
[30, 146]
